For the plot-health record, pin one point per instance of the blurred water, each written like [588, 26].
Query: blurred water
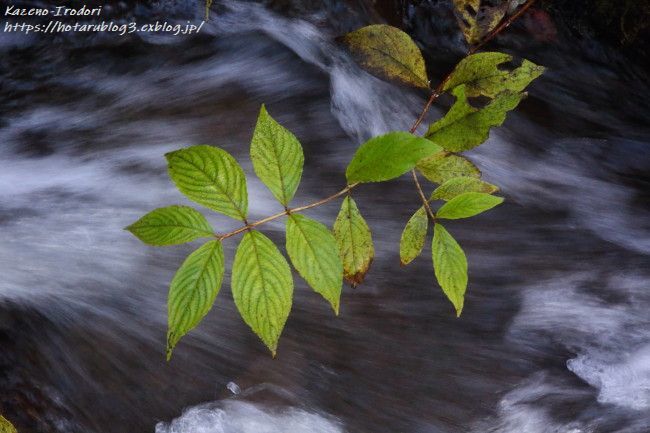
[556, 331]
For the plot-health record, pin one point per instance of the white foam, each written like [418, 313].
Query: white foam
[520, 412]
[244, 417]
[625, 383]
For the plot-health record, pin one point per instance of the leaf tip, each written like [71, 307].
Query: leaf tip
[357, 278]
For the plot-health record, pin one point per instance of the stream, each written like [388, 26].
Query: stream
[555, 334]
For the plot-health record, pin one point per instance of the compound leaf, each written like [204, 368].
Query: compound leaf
[277, 157]
[459, 185]
[465, 127]
[414, 236]
[171, 225]
[354, 241]
[193, 290]
[481, 75]
[314, 253]
[477, 20]
[210, 176]
[443, 166]
[388, 156]
[389, 53]
[450, 266]
[467, 205]
[262, 287]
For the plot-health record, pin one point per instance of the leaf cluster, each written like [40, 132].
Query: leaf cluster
[262, 283]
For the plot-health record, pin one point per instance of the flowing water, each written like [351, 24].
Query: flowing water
[555, 337]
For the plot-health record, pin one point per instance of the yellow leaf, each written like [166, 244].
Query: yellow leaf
[477, 20]
[389, 53]
[5, 426]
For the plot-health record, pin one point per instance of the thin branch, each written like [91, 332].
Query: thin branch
[344, 191]
[435, 94]
[422, 196]
[504, 25]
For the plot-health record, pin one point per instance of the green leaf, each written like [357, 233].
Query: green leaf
[6, 426]
[314, 253]
[465, 127]
[277, 157]
[171, 225]
[414, 236]
[193, 290]
[450, 265]
[476, 20]
[458, 185]
[388, 156]
[444, 166]
[467, 205]
[354, 241]
[389, 53]
[262, 287]
[210, 176]
[481, 75]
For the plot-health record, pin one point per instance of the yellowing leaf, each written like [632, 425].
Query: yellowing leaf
[193, 291]
[465, 127]
[314, 253]
[171, 225]
[388, 156]
[458, 185]
[450, 265]
[467, 205]
[262, 287]
[354, 241]
[6, 426]
[414, 236]
[210, 176]
[476, 19]
[443, 166]
[277, 157]
[481, 75]
[389, 53]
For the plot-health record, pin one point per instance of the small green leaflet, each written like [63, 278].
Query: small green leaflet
[477, 20]
[458, 185]
[171, 225]
[389, 53]
[277, 157]
[414, 236]
[444, 166]
[388, 156]
[262, 287]
[210, 176]
[481, 75]
[6, 426]
[354, 241]
[450, 265]
[467, 205]
[314, 253]
[193, 291]
[465, 127]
